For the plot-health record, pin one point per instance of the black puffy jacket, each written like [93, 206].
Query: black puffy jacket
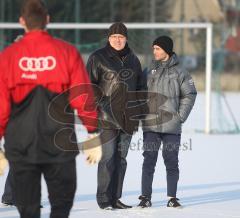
[117, 79]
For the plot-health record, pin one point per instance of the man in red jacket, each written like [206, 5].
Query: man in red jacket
[42, 80]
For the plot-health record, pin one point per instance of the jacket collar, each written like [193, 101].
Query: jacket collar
[113, 53]
[173, 60]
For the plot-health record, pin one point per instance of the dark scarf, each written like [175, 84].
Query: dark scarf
[121, 53]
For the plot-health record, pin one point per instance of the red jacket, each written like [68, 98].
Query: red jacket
[38, 59]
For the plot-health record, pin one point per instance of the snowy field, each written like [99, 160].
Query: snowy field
[209, 185]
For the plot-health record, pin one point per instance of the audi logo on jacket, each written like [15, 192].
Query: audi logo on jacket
[36, 123]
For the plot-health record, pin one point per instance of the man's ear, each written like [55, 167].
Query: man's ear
[48, 19]
[22, 21]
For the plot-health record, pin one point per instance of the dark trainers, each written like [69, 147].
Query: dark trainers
[145, 202]
[173, 202]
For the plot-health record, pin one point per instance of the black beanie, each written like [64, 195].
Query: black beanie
[166, 43]
[117, 28]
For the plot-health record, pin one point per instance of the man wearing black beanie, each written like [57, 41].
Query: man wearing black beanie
[116, 72]
[165, 43]
[118, 28]
[173, 99]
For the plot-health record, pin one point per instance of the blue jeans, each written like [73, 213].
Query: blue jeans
[112, 167]
[170, 149]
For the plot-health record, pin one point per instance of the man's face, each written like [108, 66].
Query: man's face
[159, 54]
[117, 41]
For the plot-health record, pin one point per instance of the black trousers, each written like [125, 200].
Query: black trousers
[170, 149]
[7, 196]
[61, 182]
[112, 167]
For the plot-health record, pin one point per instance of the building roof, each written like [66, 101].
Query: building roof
[198, 11]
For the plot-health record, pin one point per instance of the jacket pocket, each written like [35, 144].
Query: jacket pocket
[179, 118]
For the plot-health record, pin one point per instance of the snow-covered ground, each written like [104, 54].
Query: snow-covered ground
[209, 185]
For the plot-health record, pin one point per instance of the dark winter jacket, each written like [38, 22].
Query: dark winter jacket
[117, 79]
[171, 96]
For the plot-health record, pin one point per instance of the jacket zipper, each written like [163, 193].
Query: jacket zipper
[159, 118]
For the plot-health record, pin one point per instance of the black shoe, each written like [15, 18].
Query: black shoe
[108, 207]
[105, 206]
[8, 204]
[145, 202]
[119, 205]
[173, 202]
